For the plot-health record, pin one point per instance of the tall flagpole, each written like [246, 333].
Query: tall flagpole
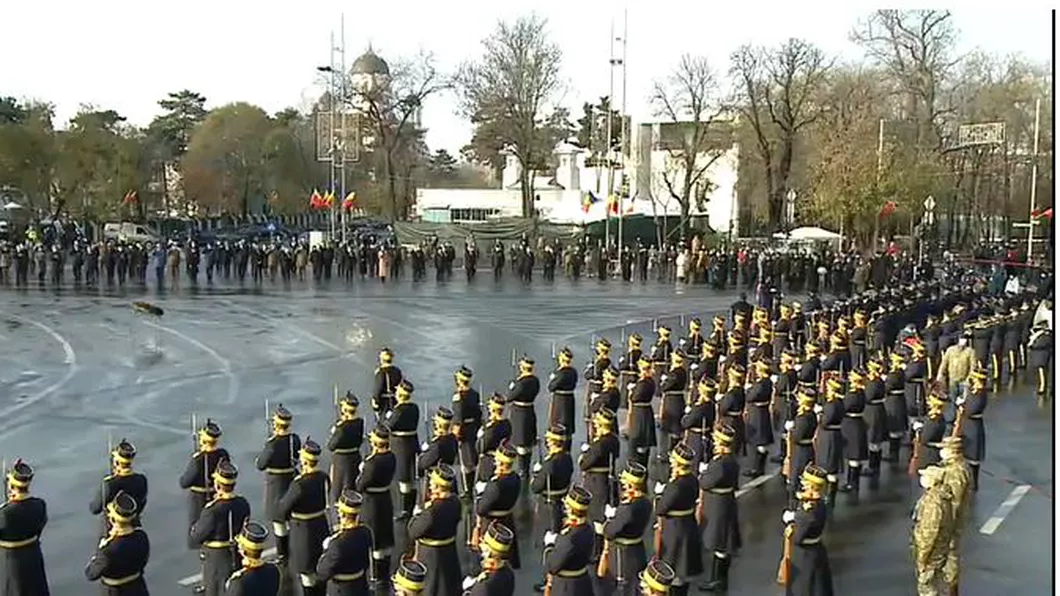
[626, 122]
[343, 91]
[1034, 179]
[609, 134]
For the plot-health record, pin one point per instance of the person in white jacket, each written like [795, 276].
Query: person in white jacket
[682, 265]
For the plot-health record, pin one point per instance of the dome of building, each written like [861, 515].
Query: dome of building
[370, 64]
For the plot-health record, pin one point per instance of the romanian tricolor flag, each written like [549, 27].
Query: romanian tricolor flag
[315, 200]
[350, 202]
[612, 204]
[130, 198]
[588, 199]
[1043, 213]
[329, 199]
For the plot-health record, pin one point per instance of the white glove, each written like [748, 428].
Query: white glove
[327, 541]
[817, 409]
[659, 488]
[550, 538]
[585, 447]
[630, 386]
[552, 376]
[918, 425]
[773, 378]
[788, 517]
[469, 582]
[789, 425]
[388, 415]
[702, 467]
[721, 359]
[688, 409]
[425, 446]
[360, 467]
[511, 385]
[610, 511]
[480, 487]
[959, 401]
[481, 433]
[537, 467]
[663, 378]
[417, 510]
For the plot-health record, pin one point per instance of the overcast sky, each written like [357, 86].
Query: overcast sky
[125, 55]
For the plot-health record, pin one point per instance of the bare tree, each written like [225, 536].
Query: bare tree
[775, 95]
[916, 48]
[696, 136]
[510, 93]
[392, 114]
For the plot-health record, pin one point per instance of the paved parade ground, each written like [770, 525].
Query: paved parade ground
[77, 369]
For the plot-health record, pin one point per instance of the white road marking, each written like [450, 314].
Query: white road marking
[191, 580]
[1004, 509]
[226, 365]
[69, 358]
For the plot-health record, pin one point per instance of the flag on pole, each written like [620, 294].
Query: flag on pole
[130, 198]
[888, 208]
[1042, 213]
[315, 200]
[588, 199]
[329, 199]
[612, 204]
[350, 202]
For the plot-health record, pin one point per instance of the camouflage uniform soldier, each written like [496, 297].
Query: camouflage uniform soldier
[958, 477]
[933, 525]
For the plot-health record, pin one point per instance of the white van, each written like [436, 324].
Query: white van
[129, 232]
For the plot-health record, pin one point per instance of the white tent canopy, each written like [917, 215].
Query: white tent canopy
[811, 233]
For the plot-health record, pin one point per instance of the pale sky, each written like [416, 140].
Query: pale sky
[125, 55]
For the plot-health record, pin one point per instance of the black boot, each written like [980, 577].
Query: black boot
[381, 571]
[893, 447]
[283, 548]
[666, 447]
[874, 464]
[410, 506]
[403, 514]
[758, 468]
[681, 590]
[781, 453]
[719, 575]
[853, 481]
[975, 477]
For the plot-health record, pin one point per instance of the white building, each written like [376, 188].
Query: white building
[559, 194]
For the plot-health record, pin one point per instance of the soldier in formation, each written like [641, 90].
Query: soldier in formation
[404, 422]
[120, 558]
[562, 384]
[568, 554]
[303, 508]
[344, 443]
[121, 479]
[467, 420]
[522, 392]
[22, 521]
[278, 460]
[433, 529]
[215, 531]
[496, 577]
[625, 556]
[552, 476]
[345, 565]
[377, 512]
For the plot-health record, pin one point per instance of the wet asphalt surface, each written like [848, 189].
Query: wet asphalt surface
[77, 368]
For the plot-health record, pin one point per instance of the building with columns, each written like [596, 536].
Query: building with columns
[653, 166]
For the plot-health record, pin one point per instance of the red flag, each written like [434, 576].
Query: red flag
[1044, 212]
[612, 204]
[315, 200]
[130, 198]
[888, 208]
[350, 202]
